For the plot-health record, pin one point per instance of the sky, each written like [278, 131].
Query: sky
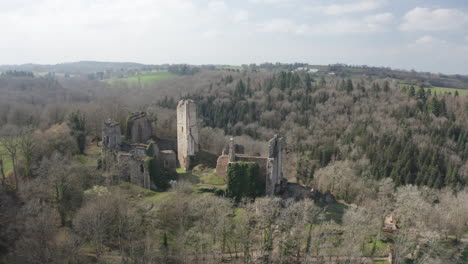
[424, 35]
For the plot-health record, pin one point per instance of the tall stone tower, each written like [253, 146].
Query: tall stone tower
[111, 136]
[187, 132]
[274, 165]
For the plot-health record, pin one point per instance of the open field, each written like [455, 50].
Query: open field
[442, 90]
[439, 90]
[144, 79]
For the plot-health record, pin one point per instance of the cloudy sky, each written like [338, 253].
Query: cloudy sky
[425, 35]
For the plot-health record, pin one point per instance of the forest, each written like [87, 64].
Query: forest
[380, 140]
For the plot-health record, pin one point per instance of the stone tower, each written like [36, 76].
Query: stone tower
[187, 132]
[274, 165]
[138, 128]
[111, 136]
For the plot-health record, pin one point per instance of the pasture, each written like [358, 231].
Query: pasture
[439, 90]
[142, 79]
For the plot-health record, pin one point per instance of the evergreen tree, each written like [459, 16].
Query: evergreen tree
[76, 123]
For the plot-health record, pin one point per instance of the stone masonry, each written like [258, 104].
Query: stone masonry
[139, 128]
[187, 133]
[271, 167]
[111, 136]
[274, 165]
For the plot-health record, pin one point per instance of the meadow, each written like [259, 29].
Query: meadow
[440, 90]
[143, 79]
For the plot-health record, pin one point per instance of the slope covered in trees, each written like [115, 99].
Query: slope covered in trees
[412, 136]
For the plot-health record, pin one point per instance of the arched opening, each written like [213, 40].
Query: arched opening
[142, 168]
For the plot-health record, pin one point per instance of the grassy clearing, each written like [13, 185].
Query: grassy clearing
[91, 156]
[143, 79]
[439, 90]
[204, 179]
[444, 90]
[375, 248]
[381, 262]
[212, 178]
[7, 164]
[334, 212]
[231, 68]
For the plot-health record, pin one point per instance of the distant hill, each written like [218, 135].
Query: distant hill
[81, 67]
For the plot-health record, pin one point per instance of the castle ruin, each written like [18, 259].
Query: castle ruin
[138, 128]
[271, 166]
[139, 153]
[187, 133]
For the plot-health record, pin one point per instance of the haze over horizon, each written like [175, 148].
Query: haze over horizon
[421, 35]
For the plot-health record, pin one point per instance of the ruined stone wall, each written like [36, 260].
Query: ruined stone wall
[134, 170]
[169, 160]
[139, 128]
[271, 167]
[221, 166]
[111, 136]
[224, 160]
[187, 132]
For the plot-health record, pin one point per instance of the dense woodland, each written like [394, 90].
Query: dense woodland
[382, 148]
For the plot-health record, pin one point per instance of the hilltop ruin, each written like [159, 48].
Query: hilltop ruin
[187, 133]
[271, 166]
[142, 158]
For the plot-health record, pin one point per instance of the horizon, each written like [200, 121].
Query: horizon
[427, 36]
[225, 64]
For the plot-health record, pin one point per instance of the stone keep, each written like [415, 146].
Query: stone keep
[111, 136]
[274, 165]
[187, 132]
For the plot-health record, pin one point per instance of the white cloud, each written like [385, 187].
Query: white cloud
[427, 41]
[368, 24]
[425, 19]
[217, 6]
[283, 26]
[349, 8]
[382, 18]
[269, 1]
[241, 16]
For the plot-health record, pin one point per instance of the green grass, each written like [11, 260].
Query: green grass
[381, 262]
[438, 90]
[212, 178]
[143, 79]
[375, 248]
[443, 90]
[7, 164]
[231, 68]
[334, 212]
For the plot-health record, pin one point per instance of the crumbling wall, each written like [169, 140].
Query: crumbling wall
[139, 128]
[187, 132]
[221, 166]
[271, 167]
[111, 136]
[134, 170]
[169, 160]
